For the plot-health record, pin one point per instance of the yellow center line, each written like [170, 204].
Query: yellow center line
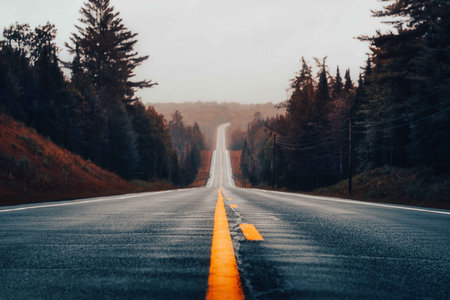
[221, 167]
[224, 281]
[250, 232]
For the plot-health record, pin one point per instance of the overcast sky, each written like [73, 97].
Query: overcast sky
[228, 50]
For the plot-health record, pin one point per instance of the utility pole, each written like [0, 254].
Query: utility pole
[350, 173]
[273, 160]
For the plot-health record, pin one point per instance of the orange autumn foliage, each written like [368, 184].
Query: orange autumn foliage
[203, 169]
[34, 169]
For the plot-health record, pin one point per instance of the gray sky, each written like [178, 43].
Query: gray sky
[229, 50]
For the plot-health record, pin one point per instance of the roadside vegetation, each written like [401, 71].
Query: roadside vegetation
[418, 186]
[35, 169]
[95, 113]
[390, 126]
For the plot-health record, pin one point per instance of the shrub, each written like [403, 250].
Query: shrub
[23, 163]
[66, 172]
[45, 162]
[32, 145]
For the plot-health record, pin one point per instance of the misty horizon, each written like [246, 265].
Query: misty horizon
[224, 52]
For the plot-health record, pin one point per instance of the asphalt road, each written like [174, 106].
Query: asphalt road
[158, 245]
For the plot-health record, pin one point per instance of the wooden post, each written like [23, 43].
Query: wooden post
[350, 173]
[273, 160]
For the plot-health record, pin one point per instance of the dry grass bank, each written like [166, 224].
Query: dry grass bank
[34, 169]
[203, 169]
[416, 186]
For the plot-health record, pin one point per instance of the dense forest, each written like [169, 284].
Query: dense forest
[397, 114]
[95, 113]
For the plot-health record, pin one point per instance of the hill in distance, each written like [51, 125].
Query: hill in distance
[209, 115]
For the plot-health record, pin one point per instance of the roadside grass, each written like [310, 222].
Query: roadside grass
[150, 186]
[417, 186]
[34, 169]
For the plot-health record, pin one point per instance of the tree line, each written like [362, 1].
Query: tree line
[209, 115]
[95, 113]
[187, 141]
[396, 114]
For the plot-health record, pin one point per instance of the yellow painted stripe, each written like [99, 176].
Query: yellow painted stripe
[250, 232]
[224, 281]
[233, 206]
[229, 199]
[221, 168]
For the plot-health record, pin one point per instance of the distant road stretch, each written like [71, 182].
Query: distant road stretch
[223, 242]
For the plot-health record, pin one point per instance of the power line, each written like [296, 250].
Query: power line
[409, 122]
[286, 141]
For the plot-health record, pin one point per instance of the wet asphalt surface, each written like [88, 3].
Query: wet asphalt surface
[158, 246]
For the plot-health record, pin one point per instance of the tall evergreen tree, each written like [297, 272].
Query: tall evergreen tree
[323, 90]
[301, 100]
[103, 68]
[430, 101]
[404, 91]
[121, 146]
[348, 86]
[338, 120]
[104, 48]
[338, 85]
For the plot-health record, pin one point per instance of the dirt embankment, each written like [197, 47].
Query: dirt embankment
[34, 169]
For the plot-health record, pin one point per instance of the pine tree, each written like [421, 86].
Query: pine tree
[399, 89]
[177, 133]
[10, 88]
[102, 69]
[301, 102]
[164, 146]
[49, 83]
[321, 157]
[367, 72]
[104, 48]
[338, 120]
[362, 160]
[430, 103]
[337, 85]
[348, 86]
[175, 171]
[146, 142]
[121, 147]
[323, 90]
